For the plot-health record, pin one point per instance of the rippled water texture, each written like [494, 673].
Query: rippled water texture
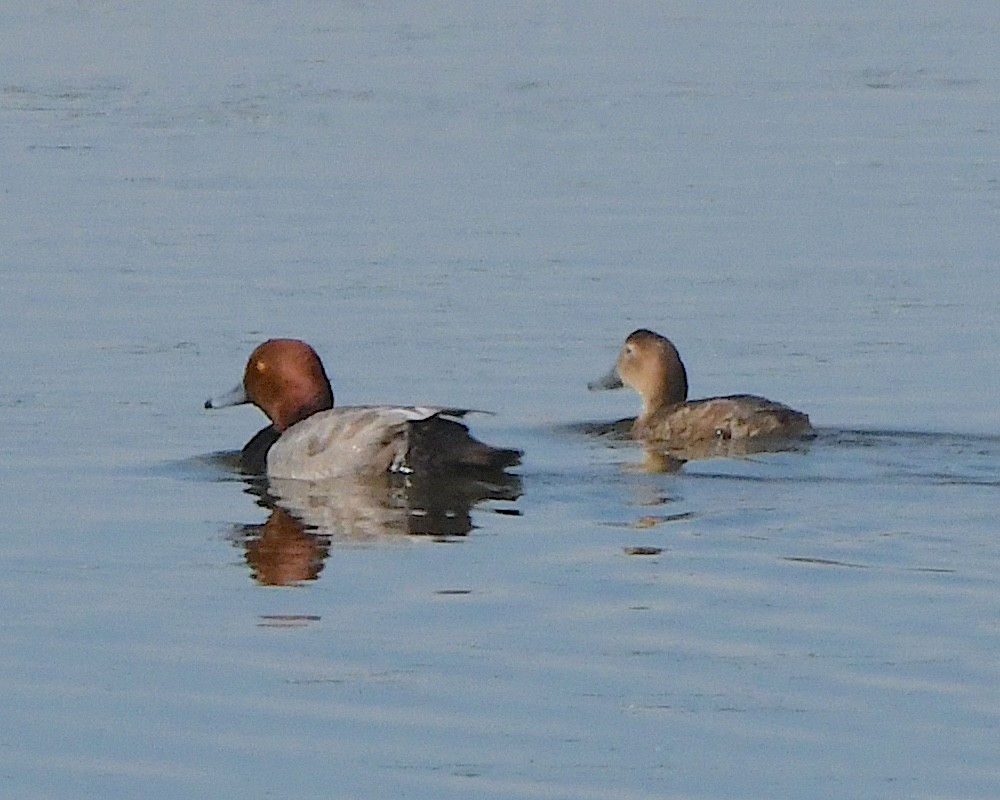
[473, 207]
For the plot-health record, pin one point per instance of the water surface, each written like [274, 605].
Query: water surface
[474, 207]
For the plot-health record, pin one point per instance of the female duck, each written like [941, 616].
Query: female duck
[309, 439]
[650, 364]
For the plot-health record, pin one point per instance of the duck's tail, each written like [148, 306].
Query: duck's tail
[437, 444]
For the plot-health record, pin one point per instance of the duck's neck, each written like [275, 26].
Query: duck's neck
[299, 405]
[662, 401]
[305, 411]
[666, 385]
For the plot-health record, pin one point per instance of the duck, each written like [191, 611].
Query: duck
[310, 439]
[651, 365]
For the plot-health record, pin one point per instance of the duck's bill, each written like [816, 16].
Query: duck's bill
[234, 397]
[610, 381]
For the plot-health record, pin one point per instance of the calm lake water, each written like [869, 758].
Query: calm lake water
[474, 207]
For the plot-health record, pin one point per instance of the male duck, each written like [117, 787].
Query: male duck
[309, 439]
[650, 364]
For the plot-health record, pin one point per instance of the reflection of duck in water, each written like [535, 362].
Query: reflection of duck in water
[390, 505]
[740, 423]
[309, 439]
[308, 518]
[281, 552]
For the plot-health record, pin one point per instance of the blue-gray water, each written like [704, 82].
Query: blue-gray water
[473, 207]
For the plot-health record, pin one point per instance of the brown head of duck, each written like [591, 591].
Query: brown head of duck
[285, 379]
[650, 364]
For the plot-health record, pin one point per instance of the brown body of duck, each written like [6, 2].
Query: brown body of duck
[650, 364]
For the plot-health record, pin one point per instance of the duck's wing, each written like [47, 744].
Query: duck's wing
[353, 440]
[734, 417]
[357, 440]
[750, 416]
